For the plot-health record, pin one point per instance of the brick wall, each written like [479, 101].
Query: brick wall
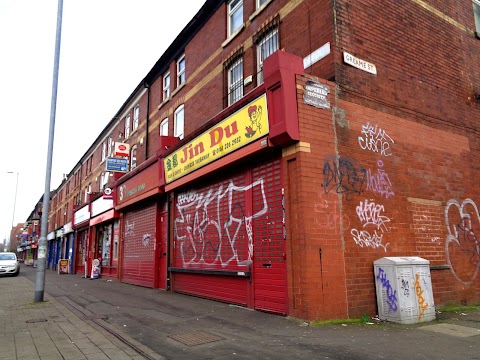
[376, 185]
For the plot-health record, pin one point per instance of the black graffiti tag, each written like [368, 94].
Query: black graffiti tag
[345, 177]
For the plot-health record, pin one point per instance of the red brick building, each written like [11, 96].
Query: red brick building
[277, 148]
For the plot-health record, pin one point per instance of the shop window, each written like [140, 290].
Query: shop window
[235, 81]
[164, 127]
[104, 242]
[133, 157]
[166, 86]
[136, 117]
[235, 16]
[181, 70]
[116, 230]
[179, 122]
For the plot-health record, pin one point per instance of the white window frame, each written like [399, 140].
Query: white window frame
[260, 58]
[127, 126]
[233, 9]
[110, 145]
[133, 157]
[179, 124]
[136, 117]
[260, 3]
[476, 15]
[164, 127]
[235, 86]
[104, 151]
[166, 86]
[181, 78]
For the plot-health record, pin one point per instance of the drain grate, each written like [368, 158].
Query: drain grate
[196, 338]
[33, 321]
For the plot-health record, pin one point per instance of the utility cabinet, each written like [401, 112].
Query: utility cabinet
[404, 289]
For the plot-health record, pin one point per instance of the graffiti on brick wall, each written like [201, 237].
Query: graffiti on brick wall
[390, 294]
[204, 236]
[328, 216]
[379, 182]
[374, 139]
[419, 290]
[462, 245]
[345, 177]
[371, 216]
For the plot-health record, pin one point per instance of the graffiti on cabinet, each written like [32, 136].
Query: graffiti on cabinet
[405, 287]
[204, 236]
[462, 245]
[422, 304]
[375, 139]
[391, 295]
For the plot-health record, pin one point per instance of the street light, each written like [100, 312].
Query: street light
[14, 206]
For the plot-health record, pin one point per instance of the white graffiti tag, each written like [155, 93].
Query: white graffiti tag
[364, 238]
[375, 139]
[462, 246]
[207, 235]
[370, 213]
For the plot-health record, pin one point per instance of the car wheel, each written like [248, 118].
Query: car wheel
[15, 274]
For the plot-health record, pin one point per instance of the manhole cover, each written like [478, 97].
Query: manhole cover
[196, 338]
[32, 321]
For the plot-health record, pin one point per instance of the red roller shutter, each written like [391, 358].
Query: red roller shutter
[227, 228]
[138, 258]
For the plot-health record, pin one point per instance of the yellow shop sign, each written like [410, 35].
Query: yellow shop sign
[239, 129]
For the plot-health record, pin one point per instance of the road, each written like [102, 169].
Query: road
[182, 327]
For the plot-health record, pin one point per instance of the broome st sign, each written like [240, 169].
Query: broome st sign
[239, 129]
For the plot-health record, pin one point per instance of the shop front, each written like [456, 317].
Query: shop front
[104, 226]
[81, 219]
[143, 230]
[69, 236]
[229, 242]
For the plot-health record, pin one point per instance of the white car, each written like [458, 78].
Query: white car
[9, 264]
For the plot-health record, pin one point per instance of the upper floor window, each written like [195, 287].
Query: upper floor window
[181, 70]
[104, 151]
[476, 14]
[136, 116]
[260, 3]
[133, 157]
[235, 16]
[127, 126]
[166, 86]
[179, 122]
[164, 127]
[110, 145]
[266, 46]
[235, 81]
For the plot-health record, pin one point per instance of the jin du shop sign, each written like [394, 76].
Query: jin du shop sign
[239, 129]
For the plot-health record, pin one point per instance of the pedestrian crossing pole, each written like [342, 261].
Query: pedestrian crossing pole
[42, 243]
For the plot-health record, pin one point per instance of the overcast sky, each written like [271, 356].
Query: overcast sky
[107, 48]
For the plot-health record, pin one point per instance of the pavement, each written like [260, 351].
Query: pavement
[106, 319]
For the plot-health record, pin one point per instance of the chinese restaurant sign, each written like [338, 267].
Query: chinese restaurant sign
[239, 129]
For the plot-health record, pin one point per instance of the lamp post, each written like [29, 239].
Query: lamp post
[14, 206]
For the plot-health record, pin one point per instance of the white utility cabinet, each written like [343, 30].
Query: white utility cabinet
[404, 289]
